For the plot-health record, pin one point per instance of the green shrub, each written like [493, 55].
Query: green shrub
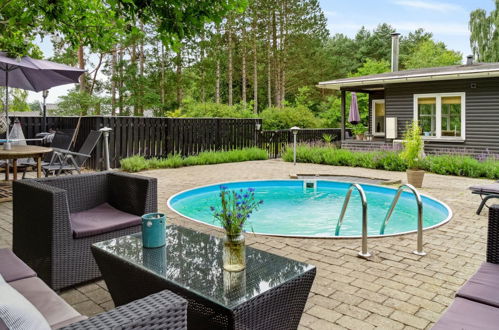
[413, 146]
[286, 117]
[391, 161]
[139, 163]
[209, 109]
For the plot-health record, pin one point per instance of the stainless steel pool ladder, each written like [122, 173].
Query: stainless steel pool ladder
[363, 253]
[401, 189]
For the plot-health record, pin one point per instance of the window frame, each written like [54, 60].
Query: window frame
[438, 113]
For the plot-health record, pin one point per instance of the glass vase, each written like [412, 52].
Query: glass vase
[234, 253]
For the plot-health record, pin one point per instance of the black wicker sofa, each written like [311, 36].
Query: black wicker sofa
[162, 310]
[476, 305]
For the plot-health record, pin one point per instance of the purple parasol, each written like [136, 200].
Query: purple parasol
[354, 116]
[34, 75]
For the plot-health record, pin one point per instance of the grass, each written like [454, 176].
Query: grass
[391, 161]
[139, 163]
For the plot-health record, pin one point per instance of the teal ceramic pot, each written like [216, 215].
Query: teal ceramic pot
[153, 230]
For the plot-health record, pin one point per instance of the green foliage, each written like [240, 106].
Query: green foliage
[484, 34]
[412, 153]
[391, 161]
[359, 129]
[287, 117]
[429, 54]
[139, 163]
[328, 138]
[78, 103]
[209, 109]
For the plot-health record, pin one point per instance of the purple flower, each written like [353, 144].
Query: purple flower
[261, 201]
[245, 195]
[212, 208]
[251, 189]
[222, 187]
[239, 215]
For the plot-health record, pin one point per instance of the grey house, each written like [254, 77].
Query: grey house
[457, 106]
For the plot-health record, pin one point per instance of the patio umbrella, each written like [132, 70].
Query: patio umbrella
[34, 75]
[354, 116]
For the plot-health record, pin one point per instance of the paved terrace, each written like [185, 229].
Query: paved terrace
[397, 290]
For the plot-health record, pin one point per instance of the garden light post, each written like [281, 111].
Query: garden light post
[45, 93]
[294, 130]
[105, 131]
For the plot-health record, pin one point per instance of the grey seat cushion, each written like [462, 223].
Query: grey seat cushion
[53, 308]
[466, 314]
[492, 188]
[101, 219]
[483, 287]
[12, 268]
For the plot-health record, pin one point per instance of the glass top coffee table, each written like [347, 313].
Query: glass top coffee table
[269, 294]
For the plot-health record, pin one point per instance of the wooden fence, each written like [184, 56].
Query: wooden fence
[154, 137]
[276, 141]
[159, 137]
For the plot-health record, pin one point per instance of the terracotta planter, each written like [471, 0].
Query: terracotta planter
[415, 177]
[359, 137]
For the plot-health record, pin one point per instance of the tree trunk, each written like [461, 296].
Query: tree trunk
[179, 77]
[229, 50]
[243, 66]
[133, 63]
[96, 71]
[203, 73]
[269, 66]
[162, 73]
[141, 73]
[217, 82]
[81, 65]
[113, 83]
[275, 57]
[255, 67]
[284, 32]
[120, 84]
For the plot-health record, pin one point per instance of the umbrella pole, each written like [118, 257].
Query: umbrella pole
[7, 145]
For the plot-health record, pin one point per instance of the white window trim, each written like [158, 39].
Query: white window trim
[373, 119]
[438, 97]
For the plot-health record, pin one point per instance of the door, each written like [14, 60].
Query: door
[378, 118]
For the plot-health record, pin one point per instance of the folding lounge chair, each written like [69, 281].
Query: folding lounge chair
[62, 140]
[65, 161]
[486, 192]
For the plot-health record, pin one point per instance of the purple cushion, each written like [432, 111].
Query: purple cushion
[492, 188]
[465, 314]
[101, 219]
[483, 287]
[12, 268]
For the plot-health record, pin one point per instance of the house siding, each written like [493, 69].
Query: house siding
[482, 112]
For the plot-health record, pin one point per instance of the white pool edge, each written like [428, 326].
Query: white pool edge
[449, 217]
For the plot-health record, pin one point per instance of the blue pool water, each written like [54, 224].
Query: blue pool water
[290, 209]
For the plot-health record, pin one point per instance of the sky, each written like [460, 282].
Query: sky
[447, 20]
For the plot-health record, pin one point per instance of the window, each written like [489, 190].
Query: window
[441, 116]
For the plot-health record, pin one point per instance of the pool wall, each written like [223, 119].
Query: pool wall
[299, 183]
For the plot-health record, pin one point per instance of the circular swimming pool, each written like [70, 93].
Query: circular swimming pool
[292, 209]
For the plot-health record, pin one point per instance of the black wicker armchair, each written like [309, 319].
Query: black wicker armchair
[163, 310]
[55, 220]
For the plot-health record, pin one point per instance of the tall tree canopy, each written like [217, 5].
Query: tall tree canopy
[484, 38]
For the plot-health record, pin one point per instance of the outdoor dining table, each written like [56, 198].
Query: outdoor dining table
[269, 294]
[22, 151]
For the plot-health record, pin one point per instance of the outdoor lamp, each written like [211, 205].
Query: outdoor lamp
[45, 93]
[294, 130]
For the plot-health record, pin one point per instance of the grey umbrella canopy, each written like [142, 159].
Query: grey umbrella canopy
[34, 75]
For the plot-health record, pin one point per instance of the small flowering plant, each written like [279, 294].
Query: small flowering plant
[235, 209]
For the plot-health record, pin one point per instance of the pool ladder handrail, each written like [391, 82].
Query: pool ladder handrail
[419, 202]
[363, 253]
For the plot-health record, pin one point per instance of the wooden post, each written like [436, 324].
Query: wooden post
[343, 114]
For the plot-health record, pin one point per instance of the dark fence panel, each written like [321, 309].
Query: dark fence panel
[275, 141]
[154, 137]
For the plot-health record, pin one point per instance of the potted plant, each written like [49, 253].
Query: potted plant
[236, 207]
[413, 154]
[359, 131]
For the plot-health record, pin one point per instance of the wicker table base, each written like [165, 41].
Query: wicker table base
[270, 294]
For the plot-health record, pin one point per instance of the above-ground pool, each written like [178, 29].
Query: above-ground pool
[290, 209]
